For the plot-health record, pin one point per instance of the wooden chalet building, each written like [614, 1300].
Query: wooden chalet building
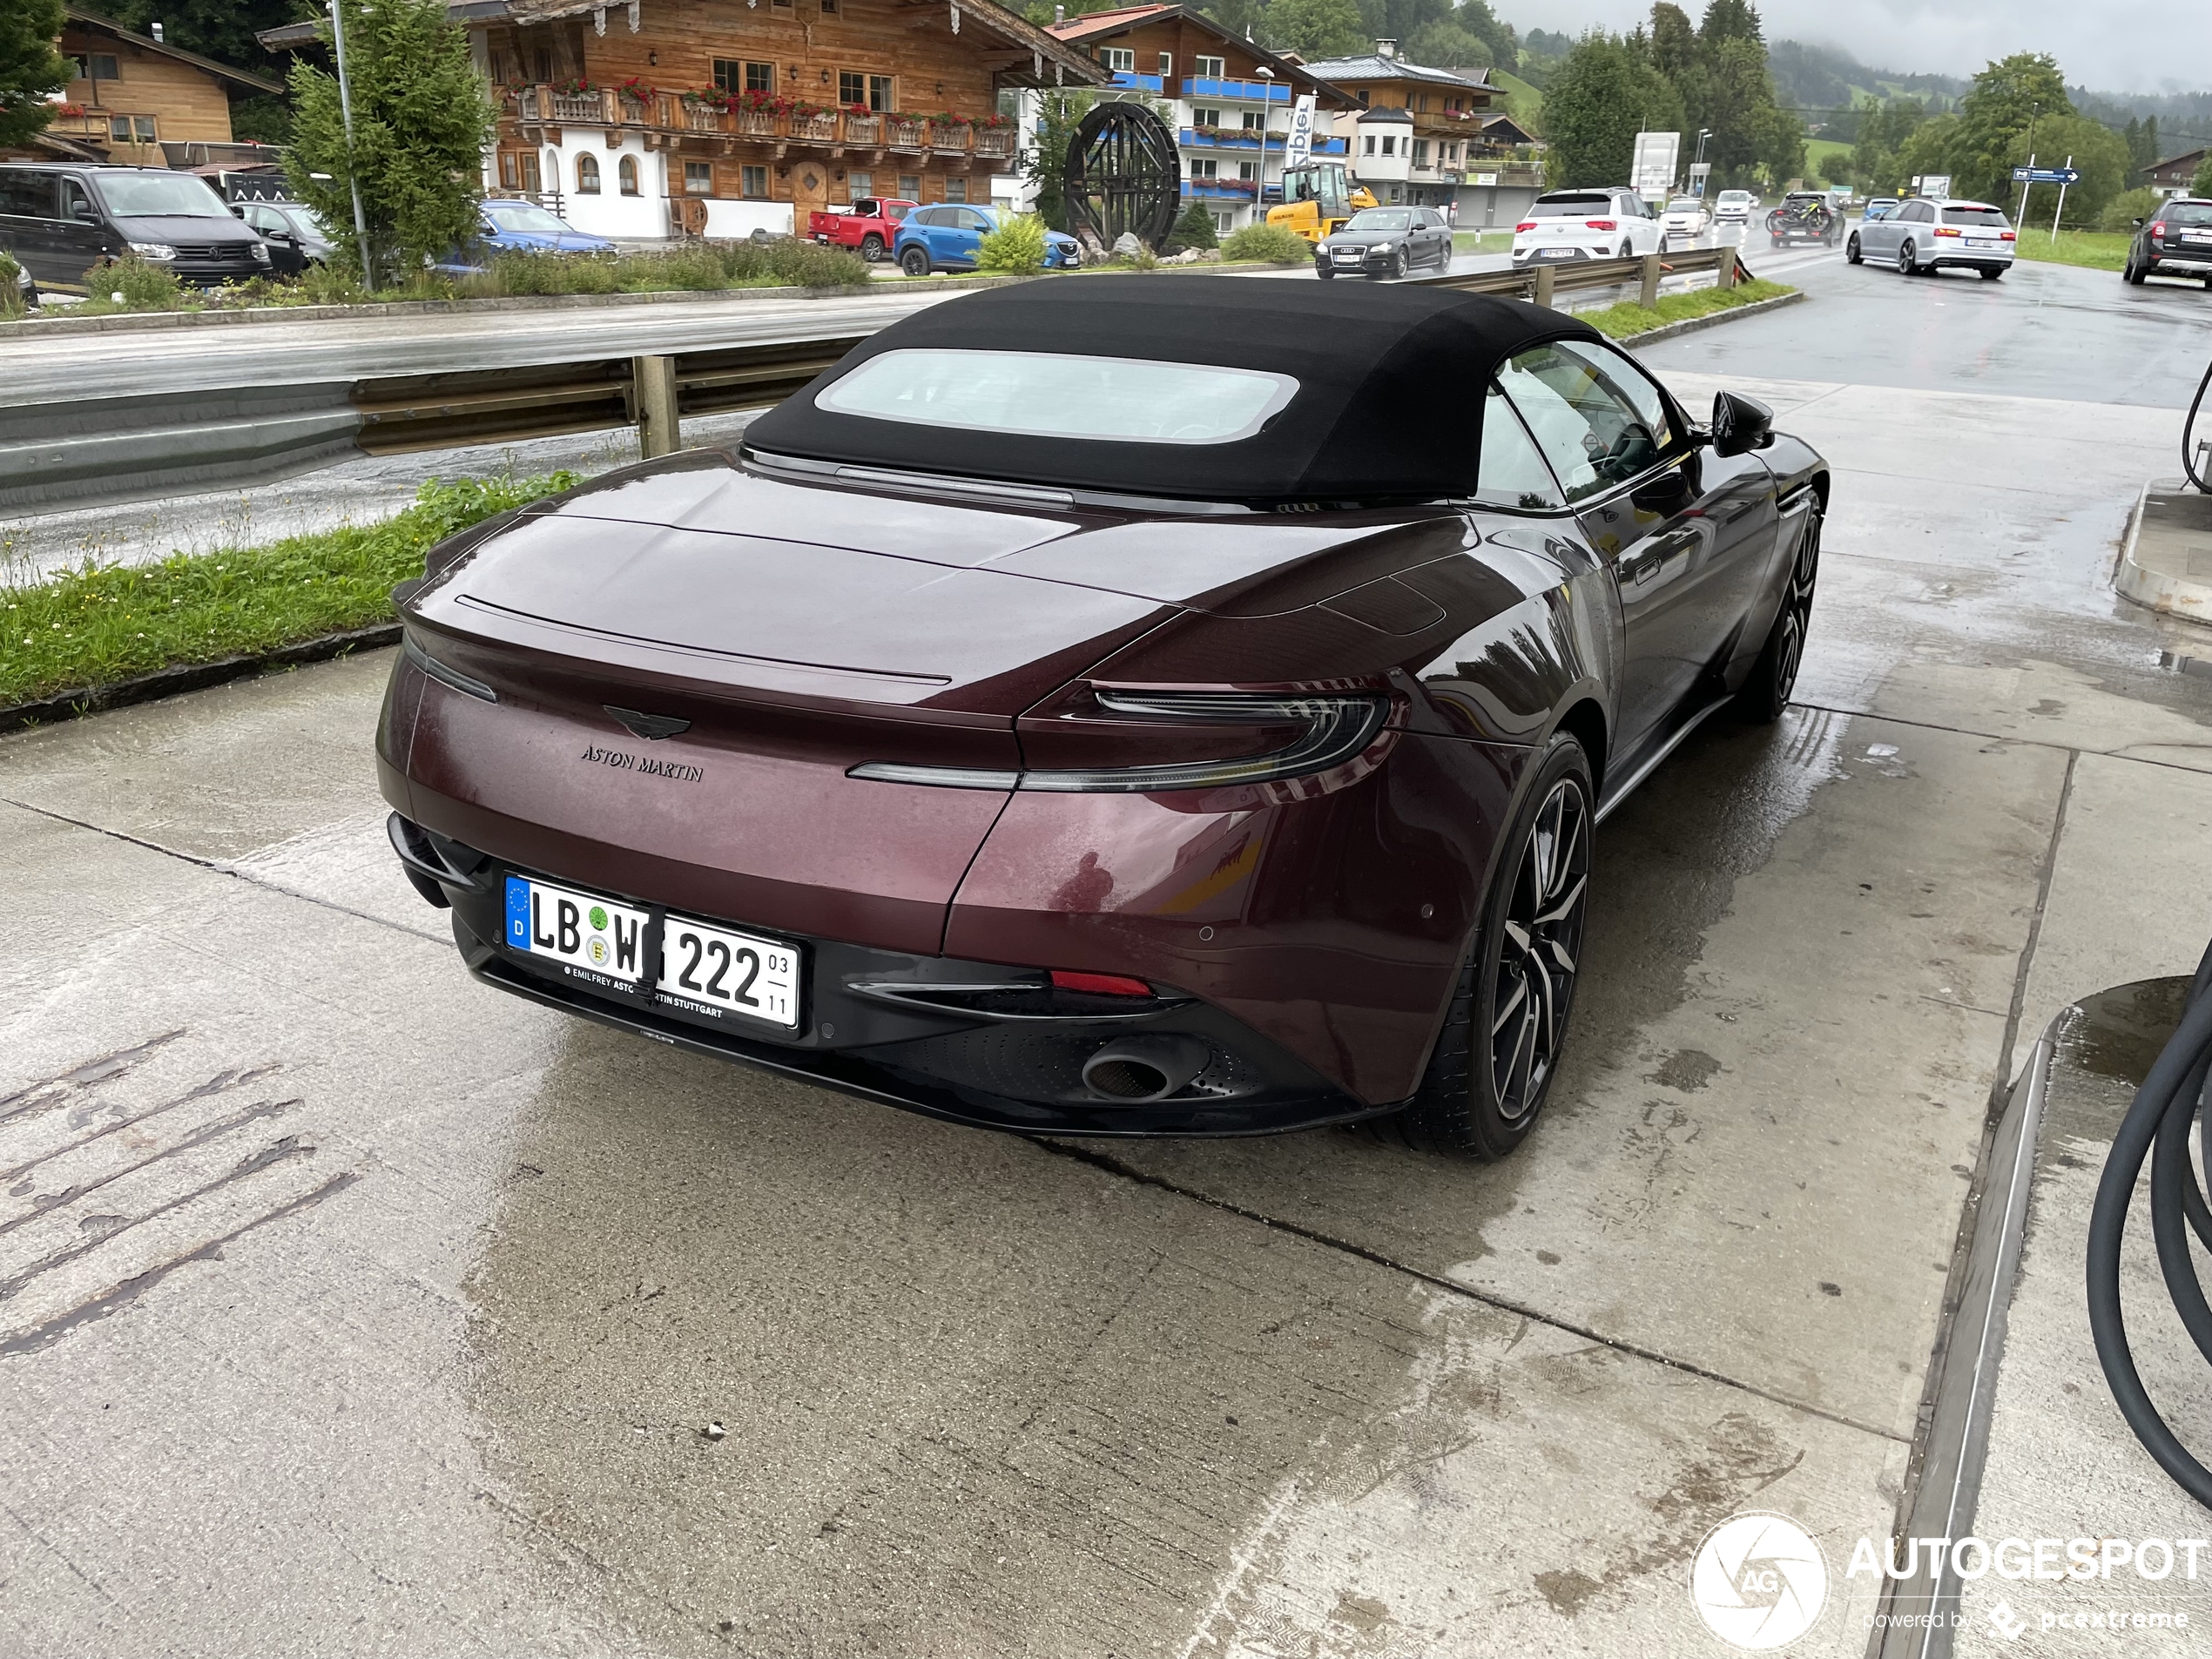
[660, 118]
[2174, 174]
[1431, 137]
[140, 101]
[1229, 101]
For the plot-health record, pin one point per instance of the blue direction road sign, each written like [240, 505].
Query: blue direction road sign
[2046, 176]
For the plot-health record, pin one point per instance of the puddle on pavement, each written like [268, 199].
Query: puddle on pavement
[2117, 1032]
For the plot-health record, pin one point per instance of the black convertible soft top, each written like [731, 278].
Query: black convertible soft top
[1389, 402]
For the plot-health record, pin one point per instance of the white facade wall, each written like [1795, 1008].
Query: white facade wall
[643, 216]
[734, 221]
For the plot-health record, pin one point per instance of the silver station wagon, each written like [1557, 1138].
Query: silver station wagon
[1927, 234]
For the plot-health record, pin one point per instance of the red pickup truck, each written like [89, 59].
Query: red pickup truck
[870, 225]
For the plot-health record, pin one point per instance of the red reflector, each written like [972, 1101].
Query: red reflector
[1525, 224]
[1065, 979]
[1602, 224]
[2158, 227]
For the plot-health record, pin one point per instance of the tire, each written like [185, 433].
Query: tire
[1852, 255]
[1990, 273]
[2133, 271]
[1321, 270]
[1774, 677]
[1628, 251]
[1907, 265]
[1480, 1099]
[915, 261]
[872, 248]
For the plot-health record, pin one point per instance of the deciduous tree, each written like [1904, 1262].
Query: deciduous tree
[31, 70]
[1599, 99]
[1315, 29]
[2008, 99]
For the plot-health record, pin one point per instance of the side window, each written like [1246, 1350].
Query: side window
[76, 204]
[1593, 435]
[1625, 376]
[1510, 473]
[972, 220]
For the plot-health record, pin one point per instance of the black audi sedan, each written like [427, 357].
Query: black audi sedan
[1386, 241]
[2175, 241]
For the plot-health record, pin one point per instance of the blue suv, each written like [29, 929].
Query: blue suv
[945, 237]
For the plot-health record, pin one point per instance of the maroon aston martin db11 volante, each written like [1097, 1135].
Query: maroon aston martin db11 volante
[1175, 705]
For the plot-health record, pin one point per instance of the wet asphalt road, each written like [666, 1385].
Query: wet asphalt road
[347, 1308]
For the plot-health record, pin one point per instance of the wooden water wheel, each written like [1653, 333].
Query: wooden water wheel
[1124, 174]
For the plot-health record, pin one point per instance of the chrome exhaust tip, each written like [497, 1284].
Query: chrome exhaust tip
[1135, 1071]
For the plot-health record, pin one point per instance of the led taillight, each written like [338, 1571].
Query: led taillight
[1602, 224]
[2009, 236]
[1946, 230]
[1525, 224]
[1069, 979]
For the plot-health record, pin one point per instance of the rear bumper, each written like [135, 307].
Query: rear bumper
[2195, 262]
[867, 1030]
[1976, 259]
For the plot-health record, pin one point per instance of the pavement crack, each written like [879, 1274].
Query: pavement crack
[1484, 1298]
[220, 866]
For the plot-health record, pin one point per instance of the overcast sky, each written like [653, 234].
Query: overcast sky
[2118, 46]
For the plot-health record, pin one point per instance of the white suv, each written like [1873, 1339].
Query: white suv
[1734, 207]
[1586, 224]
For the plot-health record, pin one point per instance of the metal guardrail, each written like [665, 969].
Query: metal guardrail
[116, 449]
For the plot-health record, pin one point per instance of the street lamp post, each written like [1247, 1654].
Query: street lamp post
[1704, 133]
[353, 177]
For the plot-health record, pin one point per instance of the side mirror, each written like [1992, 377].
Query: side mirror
[1740, 424]
[2137, 223]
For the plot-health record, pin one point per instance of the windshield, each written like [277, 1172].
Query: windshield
[158, 195]
[1986, 218]
[1047, 394]
[1379, 219]
[523, 216]
[2188, 213]
[1736, 195]
[1564, 206]
[1685, 204]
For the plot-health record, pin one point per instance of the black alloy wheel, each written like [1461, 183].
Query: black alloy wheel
[1907, 265]
[914, 261]
[1852, 255]
[1398, 264]
[872, 248]
[1506, 1030]
[1774, 677]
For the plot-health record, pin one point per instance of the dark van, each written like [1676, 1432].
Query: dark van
[60, 221]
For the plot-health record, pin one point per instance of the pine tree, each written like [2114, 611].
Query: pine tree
[423, 117]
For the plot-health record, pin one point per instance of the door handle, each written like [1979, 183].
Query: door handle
[1647, 571]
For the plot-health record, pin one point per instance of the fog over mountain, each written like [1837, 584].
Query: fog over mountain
[2119, 45]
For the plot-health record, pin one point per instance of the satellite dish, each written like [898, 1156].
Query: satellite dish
[1124, 174]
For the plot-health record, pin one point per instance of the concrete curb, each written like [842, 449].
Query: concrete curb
[192, 676]
[2180, 594]
[139, 322]
[1691, 325]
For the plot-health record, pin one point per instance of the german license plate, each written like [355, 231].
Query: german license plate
[705, 968]
[717, 970]
[1554, 252]
[1983, 241]
[579, 930]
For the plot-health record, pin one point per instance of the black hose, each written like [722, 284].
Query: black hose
[2157, 1126]
[2189, 461]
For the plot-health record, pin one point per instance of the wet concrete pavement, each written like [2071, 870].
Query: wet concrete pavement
[347, 1307]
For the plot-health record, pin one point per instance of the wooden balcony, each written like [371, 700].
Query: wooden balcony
[672, 121]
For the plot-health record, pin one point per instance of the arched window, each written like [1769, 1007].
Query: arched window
[627, 172]
[587, 176]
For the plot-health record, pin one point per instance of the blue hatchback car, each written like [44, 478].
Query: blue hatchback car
[944, 238]
[505, 225]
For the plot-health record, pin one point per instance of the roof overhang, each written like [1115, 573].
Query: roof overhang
[1104, 25]
[77, 16]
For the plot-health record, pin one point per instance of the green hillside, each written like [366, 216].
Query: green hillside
[1523, 101]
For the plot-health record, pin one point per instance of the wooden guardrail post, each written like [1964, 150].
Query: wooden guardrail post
[659, 430]
[1726, 267]
[1543, 284]
[1647, 296]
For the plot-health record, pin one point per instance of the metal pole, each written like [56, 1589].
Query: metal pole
[2060, 208]
[352, 177]
[2026, 184]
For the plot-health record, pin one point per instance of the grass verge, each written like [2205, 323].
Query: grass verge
[2099, 250]
[1627, 320]
[103, 624]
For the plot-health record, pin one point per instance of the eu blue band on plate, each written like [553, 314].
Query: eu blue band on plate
[519, 912]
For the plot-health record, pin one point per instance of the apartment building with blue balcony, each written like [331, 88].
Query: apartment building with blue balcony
[1229, 100]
